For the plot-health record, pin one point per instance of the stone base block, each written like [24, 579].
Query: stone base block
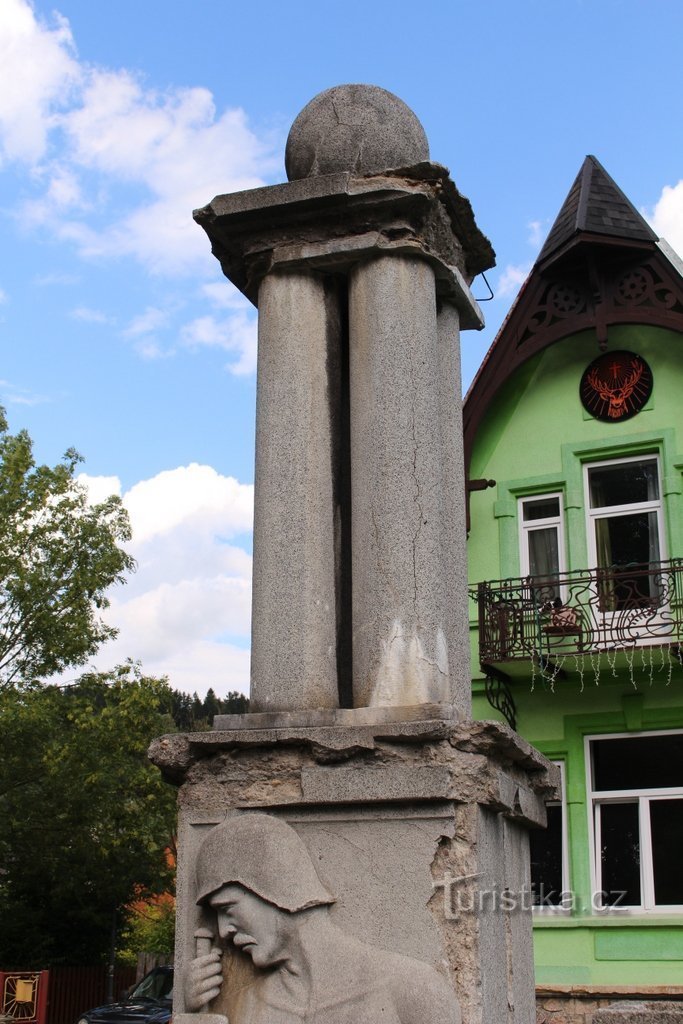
[420, 840]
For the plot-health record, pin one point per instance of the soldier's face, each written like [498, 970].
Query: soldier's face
[254, 926]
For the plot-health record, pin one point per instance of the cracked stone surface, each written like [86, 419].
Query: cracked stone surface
[409, 644]
[293, 650]
[404, 829]
[480, 762]
[359, 128]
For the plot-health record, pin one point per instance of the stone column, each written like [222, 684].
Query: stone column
[400, 632]
[294, 653]
[454, 537]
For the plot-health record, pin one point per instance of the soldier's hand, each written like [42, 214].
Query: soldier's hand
[203, 980]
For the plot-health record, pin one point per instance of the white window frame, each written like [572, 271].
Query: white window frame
[540, 524]
[544, 911]
[654, 616]
[643, 797]
[614, 511]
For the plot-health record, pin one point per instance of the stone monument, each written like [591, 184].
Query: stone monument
[355, 848]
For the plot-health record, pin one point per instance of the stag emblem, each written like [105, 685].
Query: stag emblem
[618, 396]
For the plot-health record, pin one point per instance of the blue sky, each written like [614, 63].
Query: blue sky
[119, 335]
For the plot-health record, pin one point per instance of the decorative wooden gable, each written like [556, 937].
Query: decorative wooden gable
[601, 265]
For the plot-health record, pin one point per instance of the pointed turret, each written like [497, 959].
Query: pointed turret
[594, 206]
[601, 265]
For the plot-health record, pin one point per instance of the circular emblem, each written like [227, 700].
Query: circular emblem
[616, 386]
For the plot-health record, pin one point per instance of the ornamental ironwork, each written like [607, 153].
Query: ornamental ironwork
[581, 613]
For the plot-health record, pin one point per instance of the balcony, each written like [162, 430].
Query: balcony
[561, 624]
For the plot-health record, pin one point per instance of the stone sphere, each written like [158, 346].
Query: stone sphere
[359, 128]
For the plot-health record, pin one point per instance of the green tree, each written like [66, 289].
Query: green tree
[58, 556]
[196, 709]
[190, 713]
[234, 704]
[211, 706]
[149, 928]
[85, 818]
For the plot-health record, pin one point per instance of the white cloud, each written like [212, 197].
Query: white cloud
[3, 296]
[38, 73]
[64, 190]
[186, 612]
[223, 295]
[57, 278]
[667, 216]
[172, 144]
[536, 233]
[143, 329]
[152, 320]
[99, 487]
[233, 331]
[150, 349]
[200, 665]
[11, 394]
[90, 316]
[100, 143]
[512, 278]
[236, 333]
[194, 492]
[163, 621]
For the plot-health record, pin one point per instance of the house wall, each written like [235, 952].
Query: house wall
[535, 439]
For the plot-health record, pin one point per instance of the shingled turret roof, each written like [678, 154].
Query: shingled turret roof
[595, 205]
[601, 265]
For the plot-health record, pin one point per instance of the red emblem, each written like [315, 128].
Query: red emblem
[616, 386]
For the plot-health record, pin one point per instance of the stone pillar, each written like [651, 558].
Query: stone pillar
[400, 642]
[294, 654]
[454, 536]
[358, 461]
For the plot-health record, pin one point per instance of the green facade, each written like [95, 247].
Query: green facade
[536, 438]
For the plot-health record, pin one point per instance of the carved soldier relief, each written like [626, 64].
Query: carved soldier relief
[289, 962]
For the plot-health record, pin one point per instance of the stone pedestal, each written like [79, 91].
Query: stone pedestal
[415, 823]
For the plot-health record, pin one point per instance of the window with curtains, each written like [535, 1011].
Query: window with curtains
[549, 860]
[636, 796]
[542, 541]
[625, 537]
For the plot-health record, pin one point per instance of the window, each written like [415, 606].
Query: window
[548, 854]
[625, 532]
[542, 543]
[636, 794]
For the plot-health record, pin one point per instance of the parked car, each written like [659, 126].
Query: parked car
[148, 1002]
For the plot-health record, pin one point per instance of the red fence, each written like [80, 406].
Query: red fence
[60, 995]
[73, 990]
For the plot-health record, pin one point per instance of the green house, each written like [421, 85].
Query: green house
[574, 453]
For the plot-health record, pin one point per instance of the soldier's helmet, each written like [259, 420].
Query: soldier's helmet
[264, 855]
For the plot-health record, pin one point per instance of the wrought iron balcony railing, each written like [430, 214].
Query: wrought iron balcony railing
[582, 612]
